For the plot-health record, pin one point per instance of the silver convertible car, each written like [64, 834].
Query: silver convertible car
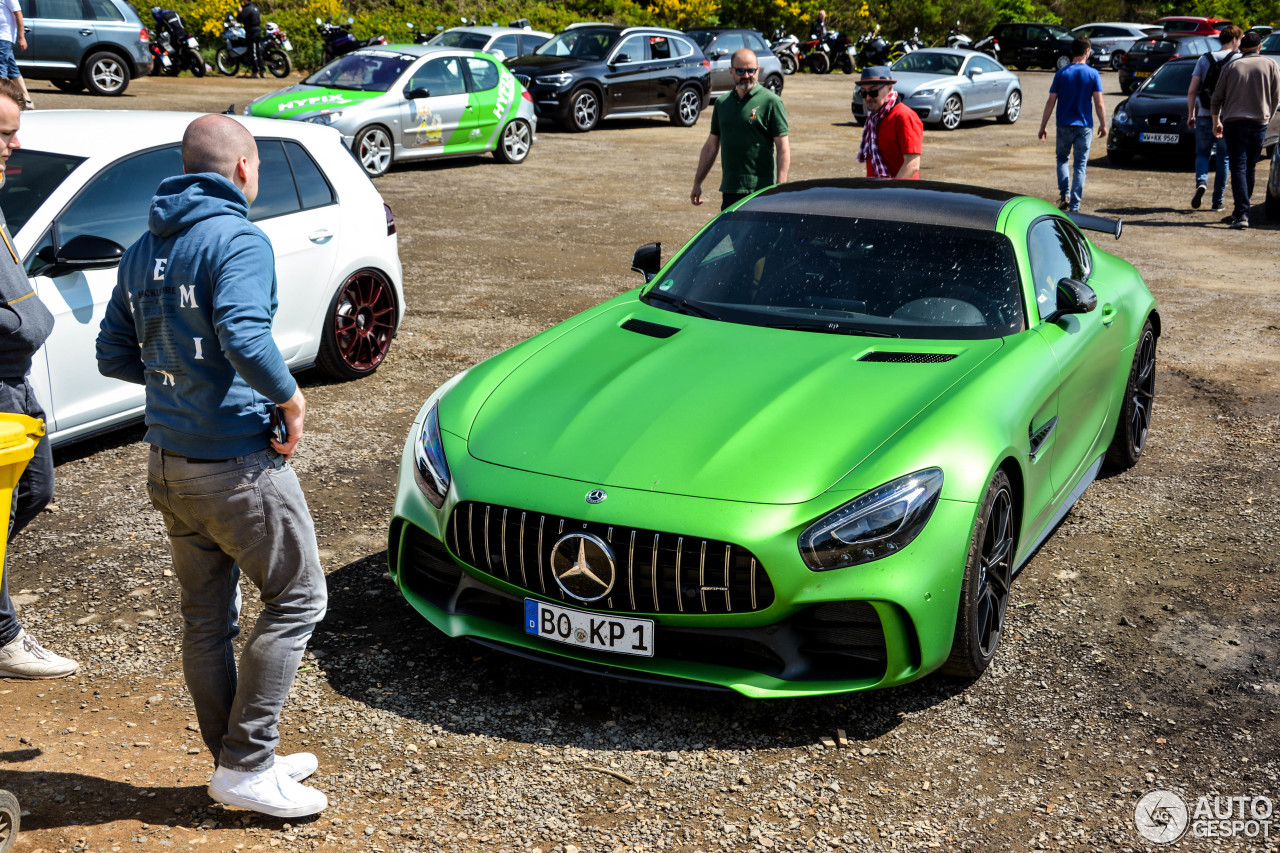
[947, 86]
[408, 102]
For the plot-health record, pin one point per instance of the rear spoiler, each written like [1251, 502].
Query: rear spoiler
[1089, 222]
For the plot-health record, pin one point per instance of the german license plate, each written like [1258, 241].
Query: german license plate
[588, 630]
[1141, 74]
[1166, 138]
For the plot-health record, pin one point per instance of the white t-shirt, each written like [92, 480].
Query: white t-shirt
[8, 30]
[1201, 70]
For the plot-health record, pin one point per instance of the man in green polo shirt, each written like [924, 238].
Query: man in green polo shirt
[751, 125]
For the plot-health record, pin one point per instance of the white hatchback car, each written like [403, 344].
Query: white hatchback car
[90, 174]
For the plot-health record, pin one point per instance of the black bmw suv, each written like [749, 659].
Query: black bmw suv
[594, 71]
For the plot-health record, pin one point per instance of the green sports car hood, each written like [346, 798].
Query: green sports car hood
[714, 410]
[301, 100]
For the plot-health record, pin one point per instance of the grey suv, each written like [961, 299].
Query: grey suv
[97, 45]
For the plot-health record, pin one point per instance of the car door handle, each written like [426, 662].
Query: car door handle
[86, 32]
[1108, 314]
[322, 235]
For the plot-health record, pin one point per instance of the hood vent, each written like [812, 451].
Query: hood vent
[909, 357]
[653, 330]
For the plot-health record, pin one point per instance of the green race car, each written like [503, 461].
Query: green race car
[408, 102]
[808, 456]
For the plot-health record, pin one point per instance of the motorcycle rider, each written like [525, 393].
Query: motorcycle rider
[818, 28]
[251, 19]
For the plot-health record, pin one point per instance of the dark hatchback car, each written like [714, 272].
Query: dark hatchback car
[719, 44]
[1023, 46]
[1153, 120]
[1147, 55]
[591, 72]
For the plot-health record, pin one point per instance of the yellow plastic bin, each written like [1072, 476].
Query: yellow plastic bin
[18, 437]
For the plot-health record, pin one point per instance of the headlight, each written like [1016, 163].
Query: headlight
[428, 450]
[925, 93]
[1122, 117]
[324, 118]
[873, 525]
[556, 80]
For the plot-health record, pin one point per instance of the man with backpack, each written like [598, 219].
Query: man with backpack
[1243, 103]
[1204, 79]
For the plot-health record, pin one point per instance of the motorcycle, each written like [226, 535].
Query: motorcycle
[955, 38]
[337, 40]
[842, 52]
[419, 37]
[235, 52]
[787, 49]
[176, 48]
[872, 49]
[904, 46]
[160, 60]
[990, 46]
[816, 56]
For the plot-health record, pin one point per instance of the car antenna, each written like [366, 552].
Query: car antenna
[230, 110]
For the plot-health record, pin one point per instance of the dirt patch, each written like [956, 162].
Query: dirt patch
[1141, 651]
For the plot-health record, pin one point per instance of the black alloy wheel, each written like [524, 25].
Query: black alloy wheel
[1135, 412]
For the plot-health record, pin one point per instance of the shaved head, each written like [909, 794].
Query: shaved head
[216, 143]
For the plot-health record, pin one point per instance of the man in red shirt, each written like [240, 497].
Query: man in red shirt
[894, 135]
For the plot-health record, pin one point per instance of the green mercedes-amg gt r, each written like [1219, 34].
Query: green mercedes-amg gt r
[808, 456]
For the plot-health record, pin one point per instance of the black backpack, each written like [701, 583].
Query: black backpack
[1211, 76]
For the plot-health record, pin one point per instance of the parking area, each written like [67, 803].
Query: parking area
[1141, 652]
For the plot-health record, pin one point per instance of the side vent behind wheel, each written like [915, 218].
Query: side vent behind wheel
[653, 330]
[909, 357]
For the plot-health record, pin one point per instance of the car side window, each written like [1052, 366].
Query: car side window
[528, 44]
[440, 77]
[756, 43]
[1053, 257]
[277, 194]
[631, 49]
[484, 74]
[70, 10]
[986, 64]
[659, 47]
[508, 44]
[313, 189]
[117, 203]
[1080, 253]
[104, 10]
[682, 48]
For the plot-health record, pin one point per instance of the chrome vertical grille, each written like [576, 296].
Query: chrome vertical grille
[654, 570]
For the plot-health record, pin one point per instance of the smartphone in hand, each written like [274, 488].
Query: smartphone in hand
[278, 429]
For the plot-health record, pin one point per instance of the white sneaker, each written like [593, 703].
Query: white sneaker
[298, 766]
[270, 792]
[26, 658]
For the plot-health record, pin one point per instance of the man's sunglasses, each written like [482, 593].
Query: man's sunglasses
[743, 72]
[872, 92]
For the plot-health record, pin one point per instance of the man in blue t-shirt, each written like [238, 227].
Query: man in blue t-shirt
[1074, 87]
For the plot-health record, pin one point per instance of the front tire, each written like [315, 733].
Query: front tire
[952, 113]
[584, 110]
[988, 574]
[516, 140]
[195, 63]
[10, 820]
[226, 62]
[1061, 62]
[1135, 412]
[359, 326]
[373, 150]
[277, 62]
[846, 63]
[819, 63]
[1012, 108]
[105, 73]
[688, 107]
[789, 65]
[774, 84]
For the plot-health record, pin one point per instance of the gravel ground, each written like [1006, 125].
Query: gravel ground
[1141, 650]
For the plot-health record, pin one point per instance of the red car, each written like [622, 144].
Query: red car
[1191, 26]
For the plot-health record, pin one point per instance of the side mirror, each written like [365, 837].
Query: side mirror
[719, 53]
[973, 72]
[499, 54]
[648, 260]
[319, 22]
[620, 58]
[413, 94]
[85, 252]
[1074, 297]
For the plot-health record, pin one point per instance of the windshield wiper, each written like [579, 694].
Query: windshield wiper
[683, 304]
[833, 329]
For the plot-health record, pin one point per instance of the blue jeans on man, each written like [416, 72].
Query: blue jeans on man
[1073, 143]
[1206, 143]
[8, 65]
[1244, 147]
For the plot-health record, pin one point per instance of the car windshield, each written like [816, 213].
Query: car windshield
[924, 62]
[701, 37]
[1271, 44]
[465, 39]
[365, 71]
[29, 178]
[839, 275]
[1181, 26]
[1059, 33]
[1154, 47]
[1173, 78]
[579, 44]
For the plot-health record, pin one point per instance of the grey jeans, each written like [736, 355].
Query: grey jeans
[247, 515]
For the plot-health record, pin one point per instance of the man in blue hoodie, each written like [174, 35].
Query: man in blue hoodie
[190, 318]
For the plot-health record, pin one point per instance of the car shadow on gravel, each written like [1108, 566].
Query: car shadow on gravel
[375, 649]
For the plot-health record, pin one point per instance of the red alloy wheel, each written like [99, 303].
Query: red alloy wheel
[361, 324]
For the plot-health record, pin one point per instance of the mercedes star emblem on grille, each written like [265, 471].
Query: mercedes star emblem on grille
[583, 566]
[596, 496]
